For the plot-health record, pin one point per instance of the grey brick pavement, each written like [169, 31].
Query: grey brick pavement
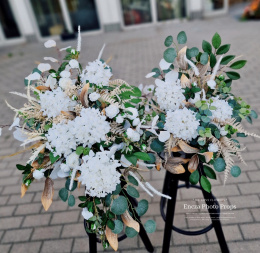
[26, 227]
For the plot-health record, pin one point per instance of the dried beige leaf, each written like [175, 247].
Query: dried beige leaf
[177, 169]
[176, 149]
[69, 114]
[47, 194]
[130, 222]
[185, 82]
[208, 156]
[42, 87]
[187, 148]
[203, 69]
[24, 189]
[193, 164]
[180, 58]
[84, 95]
[112, 238]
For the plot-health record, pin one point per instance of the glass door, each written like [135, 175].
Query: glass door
[170, 9]
[8, 25]
[83, 13]
[136, 12]
[48, 16]
[212, 5]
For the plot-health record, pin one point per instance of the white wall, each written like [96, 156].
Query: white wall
[22, 16]
[109, 12]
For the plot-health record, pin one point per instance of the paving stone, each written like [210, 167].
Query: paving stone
[49, 232]
[244, 201]
[16, 199]
[254, 175]
[29, 247]
[80, 245]
[17, 235]
[251, 231]
[65, 217]
[28, 209]
[73, 230]
[244, 246]
[57, 246]
[37, 220]
[210, 248]
[249, 188]
[232, 233]
[4, 248]
[7, 223]
[7, 210]
[256, 213]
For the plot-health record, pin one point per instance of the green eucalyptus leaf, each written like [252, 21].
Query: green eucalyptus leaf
[150, 226]
[132, 192]
[210, 173]
[219, 164]
[226, 59]
[233, 75]
[194, 177]
[117, 190]
[131, 158]
[168, 41]
[169, 55]
[216, 41]
[238, 64]
[206, 47]
[205, 184]
[74, 185]
[63, 193]
[71, 200]
[143, 156]
[254, 114]
[119, 205]
[192, 52]
[157, 146]
[213, 60]
[132, 180]
[142, 207]
[118, 227]
[111, 224]
[182, 37]
[204, 58]
[130, 232]
[223, 49]
[235, 171]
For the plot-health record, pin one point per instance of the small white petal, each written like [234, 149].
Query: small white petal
[16, 123]
[33, 76]
[124, 161]
[65, 73]
[86, 213]
[171, 77]
[50, 59]
[150, 74]
[164, 64]
[20, 135]
[155, 120]
[50, 43]
[63, 49]
[140, 87]
[211, 84]
[74, 64]
[44, 67]
[164, 136]
[0, 131]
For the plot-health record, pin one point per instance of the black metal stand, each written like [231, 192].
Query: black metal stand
[170, 188]
[93, 240]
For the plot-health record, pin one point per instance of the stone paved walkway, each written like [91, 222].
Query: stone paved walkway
[26, 227]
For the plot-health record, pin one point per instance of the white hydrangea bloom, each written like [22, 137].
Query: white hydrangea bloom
[136, 122]
[148, 89]
[65, 83]
[99, 174]
[119, 119]
[51, 82]
[133, 113]
[74, 64]
[86, 213]
[182, 124]
[98, 73]
[61, 138]
[90, 127]
[213, 147]
[133, 135]
[223, 132]
[53, 102]
[169, 92]
[223, 112]
[112, 111]
[72, 160]
[38, 174]
[94, 96]
[64, 167]
[164, 136]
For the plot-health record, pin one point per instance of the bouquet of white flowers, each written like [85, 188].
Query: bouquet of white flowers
[195, 112]
[86, 128]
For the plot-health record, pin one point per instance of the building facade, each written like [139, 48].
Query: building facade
[37, 20]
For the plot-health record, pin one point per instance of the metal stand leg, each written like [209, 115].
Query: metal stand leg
[92, 243]
[172, 191]
[215, 218]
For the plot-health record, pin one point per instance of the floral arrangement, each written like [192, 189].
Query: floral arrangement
[195, 112]
[86, 128]
[252, 11]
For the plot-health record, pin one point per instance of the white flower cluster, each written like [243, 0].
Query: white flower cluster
[53, 102]
[213, 147]
[98, 73]
[182, 123]
[89, 128]
[169, 93]
[60, 139]
[223, 110]
[112, 111]
[99, 174]
[133, 135]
